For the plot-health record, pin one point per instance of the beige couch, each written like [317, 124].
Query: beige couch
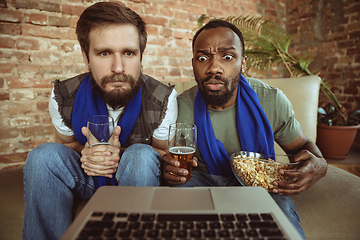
[329, 210]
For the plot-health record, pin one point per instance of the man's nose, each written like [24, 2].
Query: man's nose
[117, 64]
[215, 67]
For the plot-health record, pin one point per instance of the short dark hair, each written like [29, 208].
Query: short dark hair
[103, 13]
[220, 23]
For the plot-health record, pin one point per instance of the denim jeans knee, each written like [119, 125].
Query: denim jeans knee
[52, 178]
[139, 166]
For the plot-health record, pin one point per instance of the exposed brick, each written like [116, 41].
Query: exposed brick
[68, 46]
[172, 4]
[10, 16]
[53, 45]
[355, 34]
[156, 20]
[175, 72]
[6, 133]
[72, 9]
[35, 18]
[152, 10]
[180, 33]
[46, 32]
[53, 69]
[73, 21]
[182, 24]
[28, 83]
[157, 41]
[4, 96]
[6, 68]
[20, 94]
[27, 44]
[50, 57]
[353, 51]
[7, 42]
[59, 21]
[72, 34]
[181, 15]
[152, 30]
[166, 32]
[351, 91]
[214, 12]
[43, 106]
[161, 71]
[37, 131]
[29, 70]
[166, 12]
[10, 28]
[37, 4]
[14, 56]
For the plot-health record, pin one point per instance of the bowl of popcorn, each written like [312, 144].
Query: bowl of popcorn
[260, 170]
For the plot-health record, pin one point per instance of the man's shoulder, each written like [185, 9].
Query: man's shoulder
[153, 84]
[262, 89]
[186, 99]
[189, 93]
[69, 86]
[257, 83]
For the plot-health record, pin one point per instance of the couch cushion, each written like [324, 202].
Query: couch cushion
[331, 208]
[11, 203]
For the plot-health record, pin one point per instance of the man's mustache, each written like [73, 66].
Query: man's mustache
[119, 77]
[214, 77]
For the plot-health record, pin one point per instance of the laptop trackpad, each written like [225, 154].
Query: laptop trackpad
[182, 199]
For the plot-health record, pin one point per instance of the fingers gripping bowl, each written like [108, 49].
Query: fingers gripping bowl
[260, 170]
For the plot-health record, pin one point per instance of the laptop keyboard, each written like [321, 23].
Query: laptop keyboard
[180, 226]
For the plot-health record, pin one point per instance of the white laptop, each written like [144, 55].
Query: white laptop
[181, 213]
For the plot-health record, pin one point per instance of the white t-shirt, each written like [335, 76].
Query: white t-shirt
[161, 133]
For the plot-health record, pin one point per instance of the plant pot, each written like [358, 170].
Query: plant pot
[335, 141]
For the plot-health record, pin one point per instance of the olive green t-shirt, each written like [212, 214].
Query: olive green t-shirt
[275, 104]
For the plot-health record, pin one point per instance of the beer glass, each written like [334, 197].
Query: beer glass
[100, 130]
[182, 144]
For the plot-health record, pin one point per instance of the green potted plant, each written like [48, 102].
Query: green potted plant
[267, 43]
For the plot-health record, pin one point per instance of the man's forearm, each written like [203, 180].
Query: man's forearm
[311, 147]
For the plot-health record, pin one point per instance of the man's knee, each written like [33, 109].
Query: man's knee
[142, 154]
[46, 155]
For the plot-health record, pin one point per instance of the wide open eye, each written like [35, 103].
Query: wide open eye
[228, 57]
[203, 58]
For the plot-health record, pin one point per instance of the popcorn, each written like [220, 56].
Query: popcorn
[258, 172]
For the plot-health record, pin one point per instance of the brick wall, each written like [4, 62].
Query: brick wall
[38, 44]
[329, 31]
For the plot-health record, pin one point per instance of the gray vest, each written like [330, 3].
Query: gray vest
[153, 106]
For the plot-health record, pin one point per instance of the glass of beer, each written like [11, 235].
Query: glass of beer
[100, 130]
[182, 144]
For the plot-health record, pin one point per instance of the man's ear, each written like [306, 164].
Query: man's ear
[243, 62]
[85, 58]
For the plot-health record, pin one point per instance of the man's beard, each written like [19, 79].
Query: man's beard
[117, 97]
[215, 98]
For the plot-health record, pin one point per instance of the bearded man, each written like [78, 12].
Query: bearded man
[233, 114]
[112, 40]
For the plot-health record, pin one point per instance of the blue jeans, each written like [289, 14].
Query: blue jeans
[201, 179]
[53, 178]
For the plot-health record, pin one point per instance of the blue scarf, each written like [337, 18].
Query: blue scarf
[254, 130]
[88, 104]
